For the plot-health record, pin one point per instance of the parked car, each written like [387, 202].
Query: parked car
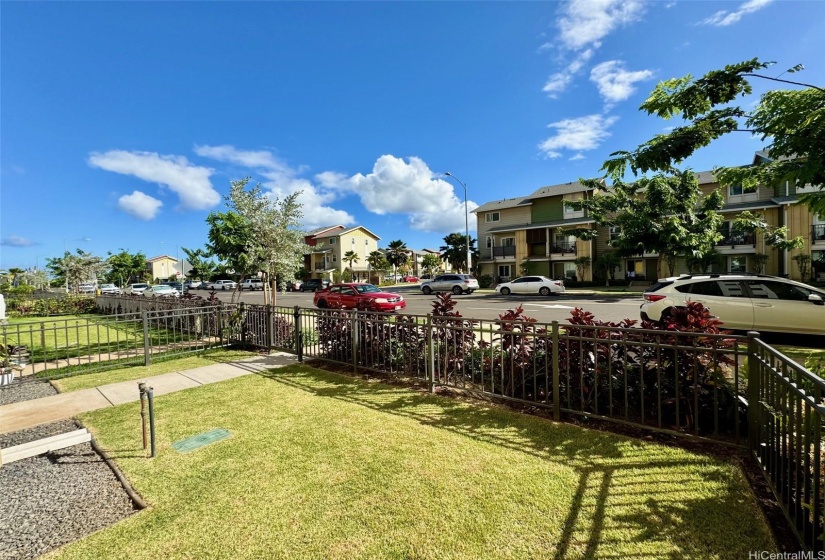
[87, 289]
[222, 285]
[135, 289]
[293, 285]
[410, 278]
[743, 301]
[455, 283]
[426, 277]
[110, 289]
[362, 296]
[314, 284]
[251, 284]
[192, 284]
[531, 285]
[160, 290]
[179, 286]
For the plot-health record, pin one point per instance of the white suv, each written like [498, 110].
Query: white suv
[222, 285]
[743, 301]
[455, 283]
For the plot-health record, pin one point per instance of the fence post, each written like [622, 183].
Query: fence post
[430, 354]
[147, 347]
[354, 340]
[299, 338]
[753, 391]
[244, 326]
[556, 372]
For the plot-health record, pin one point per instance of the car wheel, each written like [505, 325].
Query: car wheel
[427, 290]
[505, 291]
[545, 291]
[322, 304]
[457, 290]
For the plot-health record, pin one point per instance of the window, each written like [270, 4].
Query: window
[508, 241]
[570, 270]
[570, 212]
[738, 264]
[334, 257]
[492, 217]
[731, 288]
[504, 271]
[707, 289]
[489, 241]
[735, 190]
[332, 241]
[738, 194]
[613, 234]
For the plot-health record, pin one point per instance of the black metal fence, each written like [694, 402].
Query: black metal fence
[733, 389]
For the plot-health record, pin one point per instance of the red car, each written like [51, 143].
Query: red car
[411, 278]
[362, 296]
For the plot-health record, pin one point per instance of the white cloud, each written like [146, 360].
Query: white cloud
[583, 133]
[559, 81]
[16, 241]
[723, 18]
[577, 157]
[615, 83]
[139, 205]
[586, 22]
[399, 187]
[190, 182]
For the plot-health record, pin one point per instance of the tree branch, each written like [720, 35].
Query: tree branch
[785, 81]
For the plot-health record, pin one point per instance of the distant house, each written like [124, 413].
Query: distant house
[330, 244]
[164, 267]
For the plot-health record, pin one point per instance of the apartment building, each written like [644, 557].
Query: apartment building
[330, 245]
[531, 234]
[164, 267]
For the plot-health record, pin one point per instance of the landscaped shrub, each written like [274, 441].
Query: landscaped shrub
[485, 281]
[45, 307]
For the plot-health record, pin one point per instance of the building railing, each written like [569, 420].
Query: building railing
[734, 238]
[563, 247]
[817, 233]
[509, 251]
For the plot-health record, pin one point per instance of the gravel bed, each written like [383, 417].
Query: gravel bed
[26, 390]
[54, 499]
[38, 432]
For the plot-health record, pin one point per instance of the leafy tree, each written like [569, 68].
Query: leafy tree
[125, 267]
[803, 263]
[258, 233]
[703, 263]
[454, 251]
[608, 263]
[430, 263]
[77, 269]
[759, 261]
[397, 254]
[582, 265]
[775, 236]
[200, 267]
[794, 120]
[664, 214]
[350, 257]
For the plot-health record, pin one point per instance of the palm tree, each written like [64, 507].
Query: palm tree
[454, 251]
[376, 260]
[350, 257]
[397, 254]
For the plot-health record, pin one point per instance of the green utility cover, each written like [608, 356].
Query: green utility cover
[192, 443]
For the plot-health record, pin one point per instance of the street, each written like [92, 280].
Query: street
[484, 305]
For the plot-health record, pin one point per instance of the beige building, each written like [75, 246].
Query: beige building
[163, 267]
[331, 244]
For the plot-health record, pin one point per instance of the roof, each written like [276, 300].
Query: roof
[317, 231]
[555, 190]
[160, 258]
[759, 204]
[555, 223]
[499, 204]
[341, 231]
[705, 177]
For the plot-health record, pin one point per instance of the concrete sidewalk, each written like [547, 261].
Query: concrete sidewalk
[22, 415]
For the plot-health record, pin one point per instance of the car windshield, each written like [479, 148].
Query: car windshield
[366, 288]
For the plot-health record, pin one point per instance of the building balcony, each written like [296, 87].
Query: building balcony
[563, 248]
[734, 238]
[504, 252]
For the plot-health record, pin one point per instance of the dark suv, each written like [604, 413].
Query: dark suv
[314, 284]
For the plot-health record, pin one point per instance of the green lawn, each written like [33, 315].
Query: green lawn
[158, 367]
[325, 466]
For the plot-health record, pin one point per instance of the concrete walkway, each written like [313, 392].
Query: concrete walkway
[22, 415]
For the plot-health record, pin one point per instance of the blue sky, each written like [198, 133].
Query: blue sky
[122, 123]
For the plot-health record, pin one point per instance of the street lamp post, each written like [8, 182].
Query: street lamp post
[466, 221]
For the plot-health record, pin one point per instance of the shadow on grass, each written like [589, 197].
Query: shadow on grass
[612, 471]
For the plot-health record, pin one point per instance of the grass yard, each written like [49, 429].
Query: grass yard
[158, 367]
[325, 466]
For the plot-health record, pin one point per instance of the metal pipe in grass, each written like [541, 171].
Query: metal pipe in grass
[150, 394]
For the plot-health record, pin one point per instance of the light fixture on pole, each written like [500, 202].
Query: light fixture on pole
[466, 222]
